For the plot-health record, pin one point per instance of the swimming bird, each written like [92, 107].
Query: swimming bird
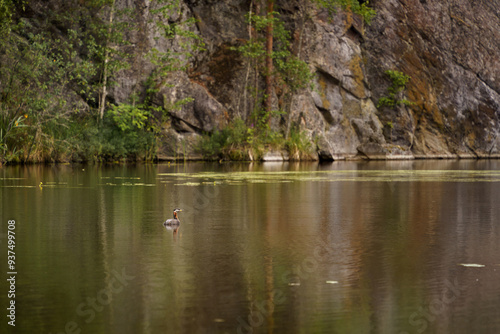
[174, 221]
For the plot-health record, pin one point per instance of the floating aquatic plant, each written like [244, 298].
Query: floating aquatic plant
[472, 265]
[333, 176]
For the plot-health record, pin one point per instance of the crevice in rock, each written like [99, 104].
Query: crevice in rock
[327, 116]
[181, 126]
[353, 34]
[478, 75]
[328, 76]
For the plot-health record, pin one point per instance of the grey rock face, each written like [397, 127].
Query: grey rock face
[201, 113]
[448, 48]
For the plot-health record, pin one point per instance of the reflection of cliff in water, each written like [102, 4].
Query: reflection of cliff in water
[358, 247]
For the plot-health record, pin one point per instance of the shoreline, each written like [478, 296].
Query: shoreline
[274, 159]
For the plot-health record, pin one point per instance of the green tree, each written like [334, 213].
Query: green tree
[354, 6]
[6, 8]
[268, 48]
[32, 88]
[166, 17]
[104, 92]
[268, 104]
[48, 78]
[395, 90]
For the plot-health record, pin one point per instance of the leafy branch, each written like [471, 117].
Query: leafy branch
[289, 73]
[354, 6]
[395, 90]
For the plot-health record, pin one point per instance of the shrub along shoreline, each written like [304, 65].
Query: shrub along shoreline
[86, 139]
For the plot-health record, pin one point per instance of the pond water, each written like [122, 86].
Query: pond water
[346, 247]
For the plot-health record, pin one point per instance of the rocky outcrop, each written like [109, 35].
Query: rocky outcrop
[449, 48]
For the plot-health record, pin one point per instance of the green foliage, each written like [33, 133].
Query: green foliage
[351, 5]
[168, 21]
[289, 75]
[167, 18]
[240, 142]
[77, 138]
[32, 86]
[106, 141]
[395, 90]
[293, 72]
[143, 118]
[51, 78]
[93, 48]
[289, 72]
[233, 142]
[298, 144]
[6, 9]
[399, 81]
[53, 71]
[129, 117]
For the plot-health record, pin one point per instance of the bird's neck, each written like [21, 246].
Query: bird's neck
[175, 215]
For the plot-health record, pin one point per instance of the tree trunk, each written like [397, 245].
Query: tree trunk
[269, 60]
[250, 36]
[104, 93]
[299, 50]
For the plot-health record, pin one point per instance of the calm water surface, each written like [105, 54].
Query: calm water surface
[348, 247]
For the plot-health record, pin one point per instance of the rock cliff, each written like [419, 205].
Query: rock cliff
[451, 51]
[449, 48]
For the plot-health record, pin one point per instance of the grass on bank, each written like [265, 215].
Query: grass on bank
[239, 142]
[77, 139]
[86, 139]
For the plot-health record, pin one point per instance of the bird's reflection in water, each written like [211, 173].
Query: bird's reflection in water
[174, 223]
[174, 229]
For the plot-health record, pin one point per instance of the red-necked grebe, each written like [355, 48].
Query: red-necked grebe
[175, 221]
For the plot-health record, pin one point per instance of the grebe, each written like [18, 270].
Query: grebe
[175, 221]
